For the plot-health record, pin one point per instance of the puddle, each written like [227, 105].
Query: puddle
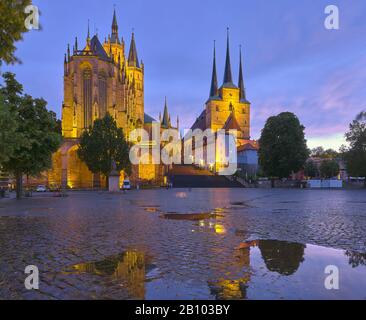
[190, 216]
[152, 209]
[211, 226]
[131, 269]
[260, 269]
[273, 270]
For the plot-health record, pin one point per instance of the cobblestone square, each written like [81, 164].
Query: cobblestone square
[184, 244]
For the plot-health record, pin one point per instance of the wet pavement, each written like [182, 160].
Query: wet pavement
[198, 244]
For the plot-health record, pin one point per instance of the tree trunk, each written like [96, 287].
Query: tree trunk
[19, 185]
[107, 182]
[273, 183]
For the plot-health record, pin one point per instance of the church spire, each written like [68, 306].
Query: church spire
[114, 37]
[88, 37]
[165, 121]
[76, 44]
[241, 80]
[214, 87]
[133, 60]
[228, 78]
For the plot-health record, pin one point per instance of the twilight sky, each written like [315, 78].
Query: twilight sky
[291, 62]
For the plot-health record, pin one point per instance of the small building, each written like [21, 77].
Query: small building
[248, 159]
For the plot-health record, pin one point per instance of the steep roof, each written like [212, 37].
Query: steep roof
[232, 123]
[200, 122]
[214, 91]
[148, 119]
[133, 60]
[228, 77]
[243, 97]
[97, 48]
[247, 147]
[114, 37]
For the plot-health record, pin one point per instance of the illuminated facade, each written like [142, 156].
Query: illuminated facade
[227, 108]
[100, 78]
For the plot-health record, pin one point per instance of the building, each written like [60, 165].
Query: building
[227, 108]
[248, 159]
[101, 78]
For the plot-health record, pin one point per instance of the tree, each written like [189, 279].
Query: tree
[12, 18]
[311, 169]
[329, 169]
[319, 152]
[102, 144]
[9, 139]
[355, 156]
[282, 146]
[38, 130]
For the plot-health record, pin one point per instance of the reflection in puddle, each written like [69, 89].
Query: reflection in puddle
[260, 269]
[356, 259]
[130, 269]
[152, 209]
[268, 269]
[189, 216]
[181, 195]
[205, 226]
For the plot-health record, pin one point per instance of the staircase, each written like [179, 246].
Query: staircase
[189, 176]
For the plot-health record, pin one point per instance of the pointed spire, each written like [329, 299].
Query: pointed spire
[228, 78]
[88, 37]
[114, 37]
[241, 80]
[178, 122]
[214, 92]
[165, 121]
[133, 60]
[65, 66]
[68, 52]
[76, 44]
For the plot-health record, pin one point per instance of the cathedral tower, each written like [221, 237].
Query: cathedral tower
[227, 107]
[99, 79]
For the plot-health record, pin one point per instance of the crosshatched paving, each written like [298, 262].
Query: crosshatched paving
[164, 243]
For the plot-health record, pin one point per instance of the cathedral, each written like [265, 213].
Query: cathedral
[100, 78]
[227, 108]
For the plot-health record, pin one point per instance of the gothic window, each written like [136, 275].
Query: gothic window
[102, 87]
[231, 107]
[217, 108]
[87, 97]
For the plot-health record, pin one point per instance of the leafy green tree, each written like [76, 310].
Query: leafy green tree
[355, 156]
[38, 129]
[12, 18]
[311, 169]
[9, 139]
[329, 169]
[103, 144]
[282, 146]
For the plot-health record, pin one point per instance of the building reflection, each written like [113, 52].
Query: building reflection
[282, 257]
[235, 289]
[356, 259]
[129, 268]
